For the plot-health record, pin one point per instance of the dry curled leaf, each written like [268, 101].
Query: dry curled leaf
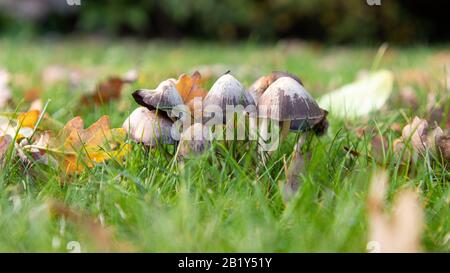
[189, 88]
[401, 231]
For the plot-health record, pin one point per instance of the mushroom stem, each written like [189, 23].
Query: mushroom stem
[263, 132]
[295, 169]
[285, 127]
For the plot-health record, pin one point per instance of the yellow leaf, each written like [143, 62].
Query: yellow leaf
[29, 119]
[77, 148]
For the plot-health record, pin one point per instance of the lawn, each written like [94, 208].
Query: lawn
[218, 202]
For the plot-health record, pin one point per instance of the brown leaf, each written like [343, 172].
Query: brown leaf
[189, 88]
[105, 91]
[401, 231]
[32, 94]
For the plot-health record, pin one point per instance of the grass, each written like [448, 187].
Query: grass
[220, 203]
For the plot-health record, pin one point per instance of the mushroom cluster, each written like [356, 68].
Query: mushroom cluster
[278, 98]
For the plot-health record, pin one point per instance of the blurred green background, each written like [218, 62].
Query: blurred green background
[349, 21]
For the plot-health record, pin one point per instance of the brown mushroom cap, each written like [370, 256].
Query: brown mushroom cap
[193, 141]
[227, 90]
[164, 97]
[149, 127]
[286, 99]
[261, 84]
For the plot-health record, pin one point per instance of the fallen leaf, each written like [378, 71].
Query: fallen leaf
[29, 119]
[32, 94]
[189, 88]
[361, 97]
[20, 128]
[401, 231]
[104, 92]
[76, 148]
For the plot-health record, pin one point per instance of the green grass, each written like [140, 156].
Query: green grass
[222, 202]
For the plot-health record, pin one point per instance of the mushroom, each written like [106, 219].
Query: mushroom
[193, 141]
[149, 127]
[164, 97]
[288, 102]
[226, 91]
[261, 84]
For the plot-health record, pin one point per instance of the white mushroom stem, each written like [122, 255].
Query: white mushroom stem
[295, 169]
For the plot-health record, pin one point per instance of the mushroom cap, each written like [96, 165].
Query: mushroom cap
[164, 97]
[287, 99]
[227, 90]
[194, 140]
[261, 84]
[149, 127]
[318, 125]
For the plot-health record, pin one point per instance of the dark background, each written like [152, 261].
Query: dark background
[345, 21]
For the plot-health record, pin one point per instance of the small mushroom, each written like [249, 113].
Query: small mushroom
[288, 102]
[149, 127]
[194, 141]
[164, 97]
[226, 91]
[261, 84]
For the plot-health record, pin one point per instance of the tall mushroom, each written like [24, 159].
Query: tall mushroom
[261, 84]
[286, 101]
